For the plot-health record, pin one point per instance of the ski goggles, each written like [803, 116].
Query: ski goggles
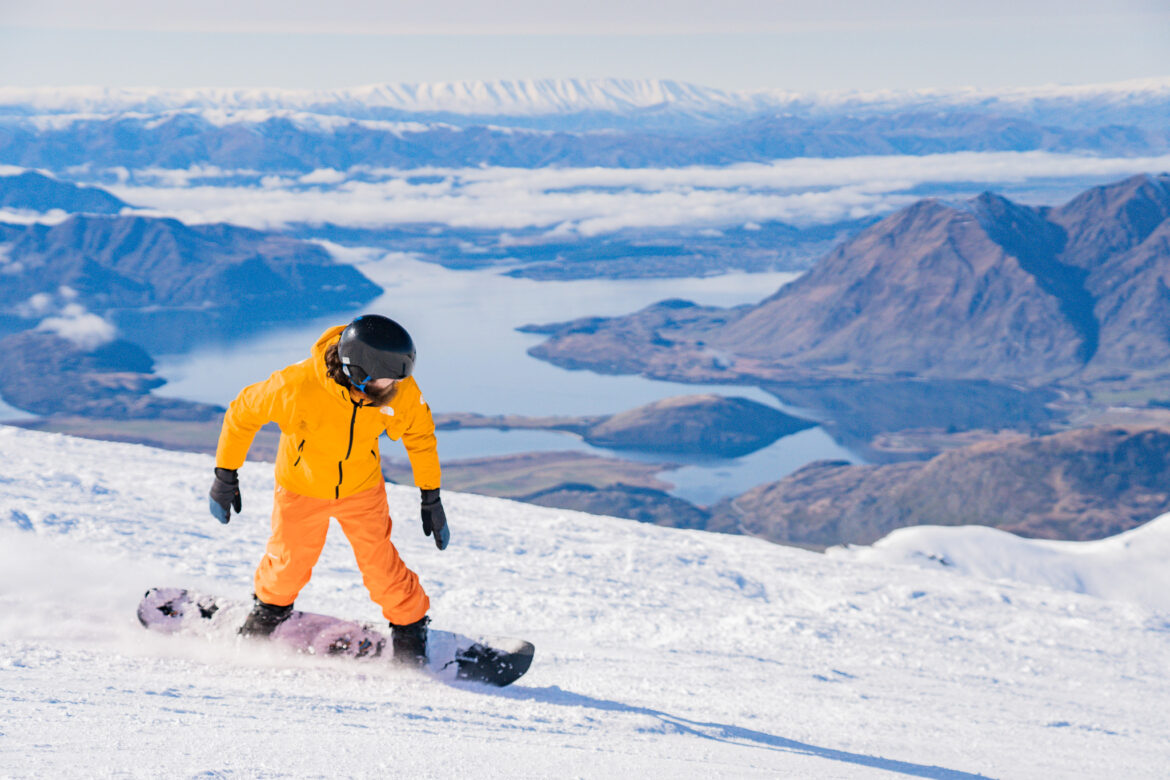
[359, 377]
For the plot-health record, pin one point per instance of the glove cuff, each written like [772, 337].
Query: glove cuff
[230, 476]
[430, 496]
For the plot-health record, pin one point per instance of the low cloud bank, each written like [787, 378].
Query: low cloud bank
[594, 201]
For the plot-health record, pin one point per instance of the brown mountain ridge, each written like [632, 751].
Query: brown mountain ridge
[1083, 484]
[987, 289]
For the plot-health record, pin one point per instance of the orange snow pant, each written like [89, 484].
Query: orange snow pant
[299, 525]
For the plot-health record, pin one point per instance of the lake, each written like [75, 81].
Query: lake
[12, 414]
[472, 359]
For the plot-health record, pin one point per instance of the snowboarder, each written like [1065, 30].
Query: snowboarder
[331, 409]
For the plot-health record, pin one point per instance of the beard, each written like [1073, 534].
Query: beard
[382, 397]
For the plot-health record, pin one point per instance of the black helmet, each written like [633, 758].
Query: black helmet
[375, 347]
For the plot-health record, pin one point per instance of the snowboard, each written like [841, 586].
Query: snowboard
[497, 661]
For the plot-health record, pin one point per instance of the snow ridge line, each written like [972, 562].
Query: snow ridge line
[534, 97]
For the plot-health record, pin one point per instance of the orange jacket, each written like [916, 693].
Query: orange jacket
[328, 444]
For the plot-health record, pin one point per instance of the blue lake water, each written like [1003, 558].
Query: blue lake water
[11, 413]
[471, 359]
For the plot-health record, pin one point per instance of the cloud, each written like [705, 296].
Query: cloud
[79, 326]
[60, 313]
[595, 201]
[181, 177]
[323, 176]
[350, 255]
[8, 266]
[38, 305]
[23, 217]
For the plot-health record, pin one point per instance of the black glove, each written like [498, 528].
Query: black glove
[225, 494]
[434, 519]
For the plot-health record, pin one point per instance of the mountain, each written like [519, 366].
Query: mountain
[150, 274]
[583, 123]
[1145, 101]
[1077, 485]
[481, 99]
[32, 191]
[284, 142]
[710, 425]
[658, 651]
[982, 290]
[1107, 221]
[990, 289]
[112, 381]
[926, 291]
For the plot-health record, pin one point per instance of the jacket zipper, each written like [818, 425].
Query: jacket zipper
[348, 450]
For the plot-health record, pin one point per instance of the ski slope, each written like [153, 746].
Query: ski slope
[660, 652]
[1133, 566]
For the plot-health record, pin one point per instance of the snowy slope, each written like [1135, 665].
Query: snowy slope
[1131, 567]
[659, 652]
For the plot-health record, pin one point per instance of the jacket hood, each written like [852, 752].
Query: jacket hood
[327, 339]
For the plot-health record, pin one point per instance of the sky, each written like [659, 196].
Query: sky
[733, 44]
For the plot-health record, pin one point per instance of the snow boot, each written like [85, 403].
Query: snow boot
[264, 618]
[410, 642]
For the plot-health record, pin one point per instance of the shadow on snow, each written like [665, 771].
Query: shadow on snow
[734, 735]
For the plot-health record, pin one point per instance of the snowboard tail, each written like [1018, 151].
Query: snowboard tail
[497, 661]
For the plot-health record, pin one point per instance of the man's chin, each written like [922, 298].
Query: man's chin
[381, 399]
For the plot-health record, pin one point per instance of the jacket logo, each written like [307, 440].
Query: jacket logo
[388, 410]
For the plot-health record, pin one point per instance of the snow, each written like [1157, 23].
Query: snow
[521, 97]
[660, 652]
[548, 97]
[1131, 566]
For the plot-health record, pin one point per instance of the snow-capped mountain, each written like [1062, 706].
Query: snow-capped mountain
[1145, 99]
[660, 652]
[485, 98]
[610, 123]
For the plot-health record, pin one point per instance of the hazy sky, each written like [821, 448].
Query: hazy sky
[807, 45]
